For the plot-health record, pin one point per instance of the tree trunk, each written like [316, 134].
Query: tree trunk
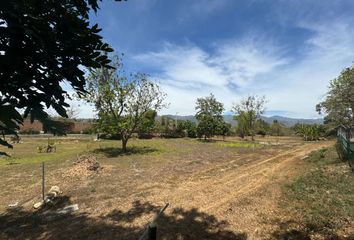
[124, 144]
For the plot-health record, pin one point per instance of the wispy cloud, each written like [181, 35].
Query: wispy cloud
[236, 68]
[188, 72]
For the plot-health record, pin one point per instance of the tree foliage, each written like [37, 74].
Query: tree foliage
[242, 128]
[148, 121]
[224, 129]
[44, 43]
[262, 127]
[339, 102]
[250, 109]
[276, 129]
[122, 102]
[310, 132]
[209, 116]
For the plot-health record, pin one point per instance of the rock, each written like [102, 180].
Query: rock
[38, 205]
[55, 189]
[12, 205]
[53, 192]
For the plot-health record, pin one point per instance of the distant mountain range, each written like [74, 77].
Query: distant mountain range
[285, 120]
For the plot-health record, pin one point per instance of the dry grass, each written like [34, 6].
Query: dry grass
[217, 190]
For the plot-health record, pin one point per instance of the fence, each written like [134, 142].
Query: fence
[346, 140]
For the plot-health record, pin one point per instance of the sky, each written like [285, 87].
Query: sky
[286, 50]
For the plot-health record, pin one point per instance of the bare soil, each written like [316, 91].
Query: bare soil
[214, 191]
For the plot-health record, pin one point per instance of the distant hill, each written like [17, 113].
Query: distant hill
[285, 120]
[292, 121]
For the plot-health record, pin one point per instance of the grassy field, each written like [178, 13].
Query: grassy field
[228, 189]
[320, 200]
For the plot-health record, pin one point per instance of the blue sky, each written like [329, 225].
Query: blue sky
[286, 50]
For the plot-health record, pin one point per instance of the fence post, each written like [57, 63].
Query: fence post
[43, 180]
[152, 231]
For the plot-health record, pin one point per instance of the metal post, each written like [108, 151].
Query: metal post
[152, 231]
[43, 181]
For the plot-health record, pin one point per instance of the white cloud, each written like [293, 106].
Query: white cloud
[238, 68]
[302, 85]
[188, 72]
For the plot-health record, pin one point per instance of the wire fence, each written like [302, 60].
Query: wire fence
[346, 139]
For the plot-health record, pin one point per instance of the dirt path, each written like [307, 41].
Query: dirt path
[218, 194]
[213, 192]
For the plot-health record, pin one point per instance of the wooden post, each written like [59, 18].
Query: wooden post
[152, 231]
[43, 180]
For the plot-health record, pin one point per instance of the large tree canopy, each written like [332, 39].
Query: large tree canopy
[209, 116]
[122, 102]
[42, 44]
[339, 102]
[248, 111]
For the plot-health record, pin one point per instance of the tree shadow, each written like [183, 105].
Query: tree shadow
[287, 230]
[178, 223]
[208, 140]
[112, 152]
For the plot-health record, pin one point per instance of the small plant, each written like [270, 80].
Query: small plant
[50, 147]
[322, 152]
[40, 149]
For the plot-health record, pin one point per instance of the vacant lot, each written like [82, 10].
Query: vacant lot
[229, 189]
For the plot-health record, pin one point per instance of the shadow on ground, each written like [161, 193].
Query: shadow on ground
[177, 223]
[287, 230]
[111, 152]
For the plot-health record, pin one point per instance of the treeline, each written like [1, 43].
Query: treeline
[169, 127]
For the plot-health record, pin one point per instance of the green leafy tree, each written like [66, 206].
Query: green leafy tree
[276, 129]
[186, 128]
[262, 127]
[339, 102]
[224, 129]
[122, 102]
[310, 132]
[253, 106]
[43, 44]
[242, 128]
[191, 129]
[148, 121]
[209, 116]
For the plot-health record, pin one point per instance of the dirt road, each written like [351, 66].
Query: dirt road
[240, 192]
[215, 192]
